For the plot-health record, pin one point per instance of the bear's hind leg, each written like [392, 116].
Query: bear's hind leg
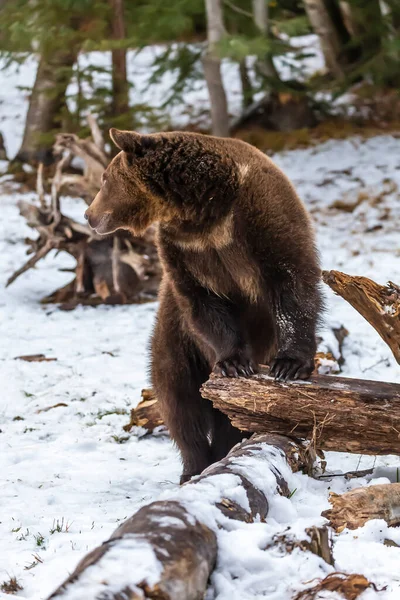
[178, 371]
[224, 436]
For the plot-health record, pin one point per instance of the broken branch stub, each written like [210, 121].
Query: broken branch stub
[378, 304]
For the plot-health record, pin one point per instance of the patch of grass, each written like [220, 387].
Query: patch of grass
[120, 439]
[28, 394]
[18, 418]
[60, 526]
[11, 586]
[40, 541]
[292, 493]
[34, 563]
[115, 411]
[23, 536]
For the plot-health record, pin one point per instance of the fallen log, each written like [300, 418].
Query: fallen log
[167, 550]
[334, 413]
[378, 304]
[353, 509]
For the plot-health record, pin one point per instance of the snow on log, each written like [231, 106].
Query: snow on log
[168, 549]
[378, 304]
[353, 509]
[335, 413]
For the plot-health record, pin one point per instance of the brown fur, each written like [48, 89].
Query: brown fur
[241, 273]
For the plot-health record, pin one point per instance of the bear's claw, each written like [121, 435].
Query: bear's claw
[236, 366]
[285, 367]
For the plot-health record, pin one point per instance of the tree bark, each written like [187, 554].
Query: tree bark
[45, 107]
[212, 70]
[3, 151]
[247, 89]
[325, 29]
[180, 549]
[353, 509]
[120, 85]
[261, 21]
[335, 413]
[378, 304]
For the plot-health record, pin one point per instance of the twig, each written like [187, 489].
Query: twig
[49, 245]
[96, 133]
[238, 9]
[40, 187]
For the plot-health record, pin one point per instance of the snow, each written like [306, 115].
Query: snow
[70, 474]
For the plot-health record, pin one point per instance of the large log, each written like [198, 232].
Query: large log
[378, 304]
[167, 550]
[335, 413]
[353, 509]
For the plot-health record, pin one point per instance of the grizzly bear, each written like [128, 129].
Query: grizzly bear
[241, 272]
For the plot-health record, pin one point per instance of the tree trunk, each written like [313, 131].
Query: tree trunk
[247, 89]
[324, 27]
[378, 304]
[3, 151]
[335, 413]
[261, 21]
[45, 107]
[212, 70]
[353, 509]
[120, 85]
[177, 549]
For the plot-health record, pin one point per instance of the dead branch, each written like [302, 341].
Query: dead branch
[378, 304]
[115, 269]
[349, 587]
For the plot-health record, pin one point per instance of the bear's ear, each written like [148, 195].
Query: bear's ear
[128, 141]
[132, 142]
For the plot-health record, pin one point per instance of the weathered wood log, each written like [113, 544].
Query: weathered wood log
[167, 550]
[378, 304]
[353, 509]
[335, 413]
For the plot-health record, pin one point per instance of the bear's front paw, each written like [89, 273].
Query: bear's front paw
[287, 367]
[235, 366]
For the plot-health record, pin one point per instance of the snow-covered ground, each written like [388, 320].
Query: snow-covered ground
[69, 473]
[74, 465]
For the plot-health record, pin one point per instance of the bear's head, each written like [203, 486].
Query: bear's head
[173, 177]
